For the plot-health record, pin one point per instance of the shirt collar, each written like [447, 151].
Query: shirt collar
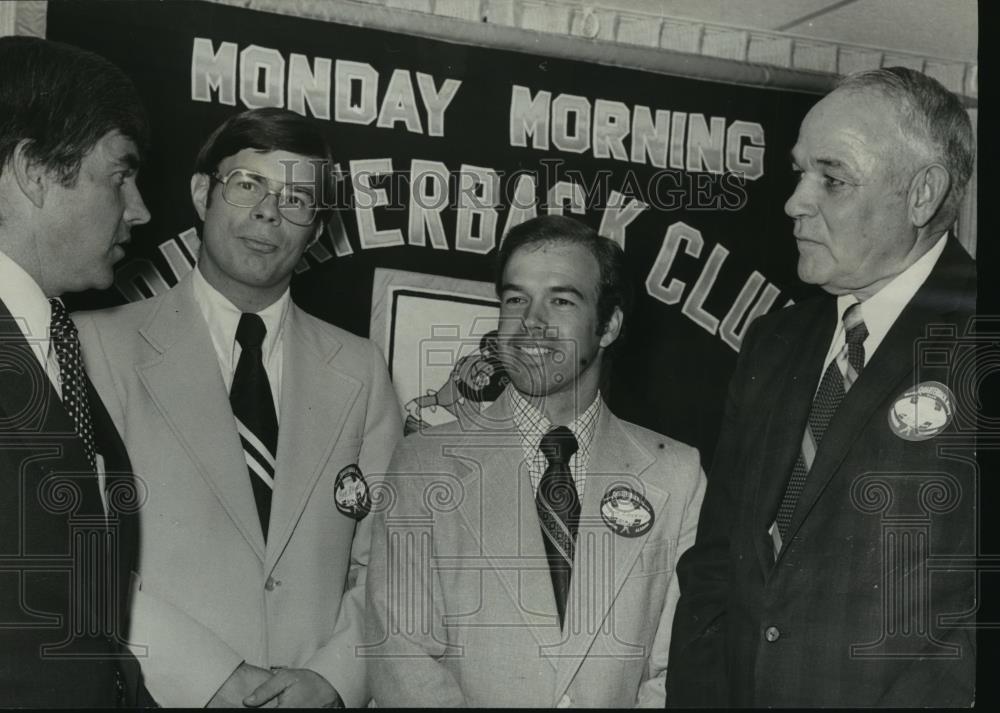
[26, 302]
[882, 309]
[531, 424]
[223, 317]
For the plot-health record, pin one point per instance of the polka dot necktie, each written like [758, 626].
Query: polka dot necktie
[66, 343]
[837, 381]
[558, 506]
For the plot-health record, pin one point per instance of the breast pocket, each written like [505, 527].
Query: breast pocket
[656, 557]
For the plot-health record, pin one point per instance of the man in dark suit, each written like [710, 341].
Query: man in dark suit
[71, 128]
[842, 498]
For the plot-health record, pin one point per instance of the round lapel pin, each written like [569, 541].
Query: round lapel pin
[922, 412]
[350, 493]
[626, 512]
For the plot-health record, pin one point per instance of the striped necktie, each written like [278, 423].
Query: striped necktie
[837, 381]
[253, 407]
[558, 508]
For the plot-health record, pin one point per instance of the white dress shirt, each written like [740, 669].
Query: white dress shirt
[223, 317]
[881, 310]
[31, 310]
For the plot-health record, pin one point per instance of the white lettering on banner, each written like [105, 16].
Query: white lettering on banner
[704, 144]
[696, 145]
[211, 70]
[367, 198]
[571, 123]
[650, 137]
[618, 215]
[746, 158]
[477, 200]
[691, 142]
[265, 78]
[529, 116]
[694, 306]
[262, 71]
[139, 279]
[677, 126]
[429, 184]
[676, 234]
[307, 85]
[728, 330]
[524, 207]
[356, 86]
[400, 104]
[436, 101]
[565, 194]
[611, 126]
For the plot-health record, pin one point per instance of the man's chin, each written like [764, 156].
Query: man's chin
[99, 282]
[105, 280]
[808, 273]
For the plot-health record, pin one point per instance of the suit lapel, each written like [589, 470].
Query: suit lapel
[617, 459]
[26, 395]
[28, 399]
[315, 401]
[125, 496]
[185, 383]
[787, 419]
[511, 540]
[938, 299]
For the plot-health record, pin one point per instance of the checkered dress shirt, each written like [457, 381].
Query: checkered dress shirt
[531, 425]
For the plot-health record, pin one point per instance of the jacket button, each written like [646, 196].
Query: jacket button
[772, 634]
[120, 688]
[269, 584]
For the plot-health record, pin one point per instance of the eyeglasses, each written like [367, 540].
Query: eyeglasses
[246, 189]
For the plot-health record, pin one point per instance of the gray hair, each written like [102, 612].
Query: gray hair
[930, 114]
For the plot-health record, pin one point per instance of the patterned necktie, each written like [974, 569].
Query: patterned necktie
[253, 407]
[558, 508]
[837, 381]
[66, 342]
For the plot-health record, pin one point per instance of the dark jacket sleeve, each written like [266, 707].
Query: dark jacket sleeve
[696, 674]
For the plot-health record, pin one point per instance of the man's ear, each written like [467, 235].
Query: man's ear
[613, 328]
[200, 185]
[32, 177]
[928, 189]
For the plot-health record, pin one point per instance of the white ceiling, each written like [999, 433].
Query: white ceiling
[944, 29]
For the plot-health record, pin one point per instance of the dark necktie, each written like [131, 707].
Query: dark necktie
[558, 508]
[837, 381]
[253, 407]
[66, 342]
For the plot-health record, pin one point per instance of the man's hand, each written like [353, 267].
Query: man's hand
[296, 688]
[242, 681]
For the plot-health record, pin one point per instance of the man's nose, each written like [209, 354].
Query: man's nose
[136, 212]
[802, 202]
[535, 317]
[267, 209]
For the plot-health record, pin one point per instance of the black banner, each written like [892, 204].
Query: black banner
[442, 147]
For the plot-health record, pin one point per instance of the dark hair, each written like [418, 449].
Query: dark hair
[614, 288]
[931, 116]
[271, 129]
[64, 100]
